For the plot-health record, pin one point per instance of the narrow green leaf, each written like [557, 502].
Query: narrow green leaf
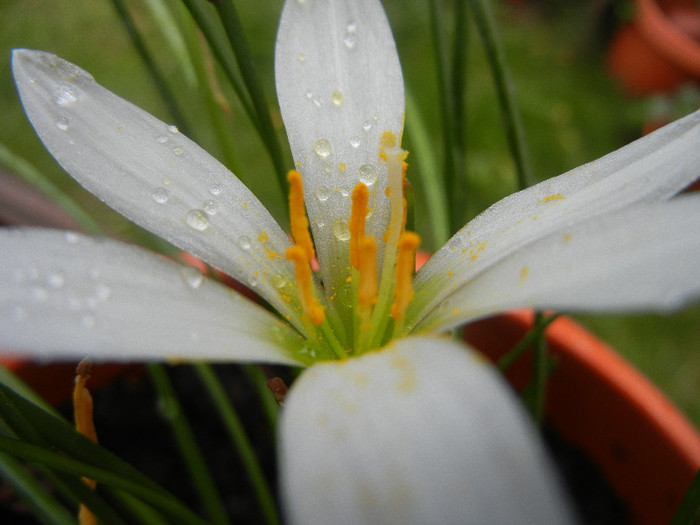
[189, 450]
[44, 506]
[63, 463]
[240, 441]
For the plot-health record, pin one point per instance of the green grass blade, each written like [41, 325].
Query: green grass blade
[432, 183]
[190, 451]
[43, 505]
[240, 441]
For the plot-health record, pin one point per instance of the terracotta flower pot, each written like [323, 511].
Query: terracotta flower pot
[597, 402]
[660, 49]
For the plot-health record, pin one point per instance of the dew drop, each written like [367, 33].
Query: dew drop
[210, 207]
[162, 139]
[62, 123]
[215, 190]
[322, 148]
[192, 277]
[66, 96]
[337, 98]
[350, 40]
[323, 193]
[309, 94]
[160, 195]
[244, 242]
[301, 57]
[320, 223]
[177, 151]
[173, 129]
[102, 292]
[71, 237]
[341, 230]
[367, 125]
[197, 220]
[355, 141]
[367, 174]
[253, 282]
[55, 280]
[351, 27]
[279, 281]
[39, 294]
[344, 191]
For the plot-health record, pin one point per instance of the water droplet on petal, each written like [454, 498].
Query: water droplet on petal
[160, 195]
[355, 141]
[55, 280]
[192, 277]
[322, 193]
[367, 125]
[177, 151]
[197, 220]
[173, 129]
[301, 57]
[253, 282]
[71, 237]
[62, 123]
[39, 294]
[66, 96]
[341, 230]
[279, 281]
[351, 27]
[367, 174]
[244, 242]
[162, 139]
[337, 98]
[215, 190]
[350, 40]
[322, 148]
[102, 292]
[210, 207]
[344, 191]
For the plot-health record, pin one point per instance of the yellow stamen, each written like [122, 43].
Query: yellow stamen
[367, 292]
[297, 215]
[360, 208]
[405, 265]
[311, 306]
[84, 424]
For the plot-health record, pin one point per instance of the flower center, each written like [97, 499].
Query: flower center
[379, 296]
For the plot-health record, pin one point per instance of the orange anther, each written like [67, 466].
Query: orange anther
[367, 292]
[304, 280]
[360, 208]
[297, 215]
[405, 264]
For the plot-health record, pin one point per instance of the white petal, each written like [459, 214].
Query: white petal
[340, 88]
[65, 296]
[642, 259]
[152, 174]
[421, 432]
[653, 168]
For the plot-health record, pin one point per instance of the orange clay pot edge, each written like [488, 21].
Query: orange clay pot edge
[666, 38]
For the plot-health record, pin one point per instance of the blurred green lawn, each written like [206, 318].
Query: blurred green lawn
[572, 112]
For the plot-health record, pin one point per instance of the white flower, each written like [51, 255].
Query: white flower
[389, 424]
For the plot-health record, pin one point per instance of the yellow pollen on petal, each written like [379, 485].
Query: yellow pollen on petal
[297, 215]
[553, 197]
[360, 208]
[405, 266]
[367, 292]
[302, 271]
[387, 140]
